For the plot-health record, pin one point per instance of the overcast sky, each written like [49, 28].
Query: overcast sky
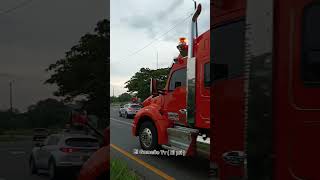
[37, 35]
[134, 24]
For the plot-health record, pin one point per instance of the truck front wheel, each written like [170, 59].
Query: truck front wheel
[148, 136]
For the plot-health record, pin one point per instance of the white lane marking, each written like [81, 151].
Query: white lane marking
[113, 119]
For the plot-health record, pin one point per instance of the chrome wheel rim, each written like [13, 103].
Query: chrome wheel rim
[146, 137]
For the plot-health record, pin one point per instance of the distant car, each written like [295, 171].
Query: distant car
[40, 134]
[62, 153]
[129, 110]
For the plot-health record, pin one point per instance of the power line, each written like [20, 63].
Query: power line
[18, 6]
[155, 39]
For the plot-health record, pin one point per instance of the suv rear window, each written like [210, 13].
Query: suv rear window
[82, 142]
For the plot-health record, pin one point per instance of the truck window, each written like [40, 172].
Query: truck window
[207, 75]
[228, 50]
[178, 78]
[311, 45]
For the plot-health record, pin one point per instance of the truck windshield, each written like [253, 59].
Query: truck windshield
[178, 78]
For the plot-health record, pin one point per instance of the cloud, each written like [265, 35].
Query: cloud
[135, 24]
[153, 23]
[37, 35]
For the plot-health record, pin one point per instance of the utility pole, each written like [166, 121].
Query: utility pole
[10, 86]
[157, 59]
[113, 92]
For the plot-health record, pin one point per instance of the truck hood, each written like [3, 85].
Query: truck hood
[147, 102]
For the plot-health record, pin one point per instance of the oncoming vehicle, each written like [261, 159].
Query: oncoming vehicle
[62, 153]
[40, 134]
[129, 110]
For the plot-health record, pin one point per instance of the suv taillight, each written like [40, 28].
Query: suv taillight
[68, 150]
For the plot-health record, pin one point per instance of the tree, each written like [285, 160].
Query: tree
[48, 113]
[113, 99]
[124, 97]
[139, 84]
[84, 71]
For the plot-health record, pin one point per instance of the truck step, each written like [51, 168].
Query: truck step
[182, 138]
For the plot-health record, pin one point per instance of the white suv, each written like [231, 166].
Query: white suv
[62, 153]
[129, 110]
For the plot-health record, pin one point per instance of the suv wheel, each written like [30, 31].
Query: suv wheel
[126, 115]
[32, 166]
[52, 170]
[148, 136]
[120, 114]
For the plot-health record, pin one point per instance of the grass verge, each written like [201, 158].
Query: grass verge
[120, 170]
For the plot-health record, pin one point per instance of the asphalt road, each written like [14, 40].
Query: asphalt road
[152, 167]
[14, 161]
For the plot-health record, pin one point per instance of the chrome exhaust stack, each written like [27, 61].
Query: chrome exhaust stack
[191, 69]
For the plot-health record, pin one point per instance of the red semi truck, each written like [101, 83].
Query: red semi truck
[265, 92]
[174, 117]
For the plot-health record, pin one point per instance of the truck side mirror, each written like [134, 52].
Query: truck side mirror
[220, 71]
[154, 87]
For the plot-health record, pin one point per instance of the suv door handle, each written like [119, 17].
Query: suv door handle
[183, 111]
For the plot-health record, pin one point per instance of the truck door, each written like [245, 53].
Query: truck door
[175, 100]
[299, 116]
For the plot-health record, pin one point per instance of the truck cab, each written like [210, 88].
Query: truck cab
[174, 116]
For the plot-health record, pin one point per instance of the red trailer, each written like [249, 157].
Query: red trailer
[265, 91]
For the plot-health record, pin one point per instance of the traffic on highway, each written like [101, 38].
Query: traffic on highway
[162, 165]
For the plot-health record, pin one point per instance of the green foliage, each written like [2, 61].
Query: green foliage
[125, 97]
[119, 170]
[84, 71]
[48, 113]
[139, 84]
[113, 99]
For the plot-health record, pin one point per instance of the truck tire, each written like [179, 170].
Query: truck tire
[120, 114]
[126, 115]
[148, 136]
